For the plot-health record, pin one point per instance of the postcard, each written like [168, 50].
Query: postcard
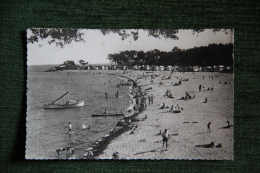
[130, 94]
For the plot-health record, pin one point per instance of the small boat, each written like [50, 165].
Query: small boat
[68, 104]
[108, 114]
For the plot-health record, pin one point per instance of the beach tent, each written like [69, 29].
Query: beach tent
[209, 68]
[162, 68]
[148, 67]
[190, 94]
[169, 68]
[195, 68]
[221, 68]
[229, 69]
[215, 68]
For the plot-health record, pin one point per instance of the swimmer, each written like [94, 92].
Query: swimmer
[69, 127]
[70, 152]
[59, 151]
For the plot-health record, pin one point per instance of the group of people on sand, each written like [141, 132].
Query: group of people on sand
[172, 109]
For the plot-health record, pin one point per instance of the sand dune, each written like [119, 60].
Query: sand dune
[188, 128]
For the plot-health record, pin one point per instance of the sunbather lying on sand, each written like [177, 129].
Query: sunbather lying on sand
[211, 145]
[228, 126]
[162, 107]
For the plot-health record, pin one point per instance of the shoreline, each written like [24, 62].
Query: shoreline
[122, 125]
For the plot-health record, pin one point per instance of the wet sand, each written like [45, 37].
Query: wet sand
[188, 128]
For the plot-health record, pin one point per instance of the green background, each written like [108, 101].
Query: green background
[17, 16]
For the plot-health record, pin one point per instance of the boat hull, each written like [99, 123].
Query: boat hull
[70, 104]
[108, 114]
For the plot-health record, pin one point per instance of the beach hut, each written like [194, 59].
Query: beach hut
[175, 68]
[195, 68]
[156, 68]
[229, 69]
[209, 68]
[161, 68]
[148, 67]
[215, 68]
[169, 68]
[221, 68]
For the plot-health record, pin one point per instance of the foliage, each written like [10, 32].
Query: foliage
[133, 33]
[60, 37]
[157, 33]
[207, 55]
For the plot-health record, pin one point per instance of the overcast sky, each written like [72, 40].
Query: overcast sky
[97, 46]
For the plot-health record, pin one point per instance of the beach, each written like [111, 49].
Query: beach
[187, 129]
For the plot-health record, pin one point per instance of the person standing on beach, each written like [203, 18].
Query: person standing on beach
[208, 127]
[152, 99]
[199, 88]
[106, 95]
[149, 98]
[165, 139]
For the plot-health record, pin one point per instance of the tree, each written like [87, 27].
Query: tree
[60, 37]
[133, 33]
[157, 33]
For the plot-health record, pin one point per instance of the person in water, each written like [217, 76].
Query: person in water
[165, 139]
[59, 151]
[69, 127]
[70, 152]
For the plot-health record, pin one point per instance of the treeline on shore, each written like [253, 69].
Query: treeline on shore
[204, 56]
[213, 54]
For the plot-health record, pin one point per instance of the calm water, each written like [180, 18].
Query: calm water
[45, 128]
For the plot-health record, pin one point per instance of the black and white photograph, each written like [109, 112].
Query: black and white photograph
[130, 94]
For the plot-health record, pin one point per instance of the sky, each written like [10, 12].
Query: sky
[96, 47]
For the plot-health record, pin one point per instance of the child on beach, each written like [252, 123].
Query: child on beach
[165, 136]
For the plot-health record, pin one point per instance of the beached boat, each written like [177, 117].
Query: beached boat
[108, 114]
[68, 104]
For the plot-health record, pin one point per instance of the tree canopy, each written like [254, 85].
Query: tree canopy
[60, 37]
[213, 54]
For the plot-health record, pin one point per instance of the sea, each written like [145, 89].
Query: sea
[46, 128]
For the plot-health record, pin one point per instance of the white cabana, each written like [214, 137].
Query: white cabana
[162, 68]
[169, 67]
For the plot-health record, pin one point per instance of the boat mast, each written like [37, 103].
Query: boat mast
[68, 86]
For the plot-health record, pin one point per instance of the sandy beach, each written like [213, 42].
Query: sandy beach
[187, 128]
